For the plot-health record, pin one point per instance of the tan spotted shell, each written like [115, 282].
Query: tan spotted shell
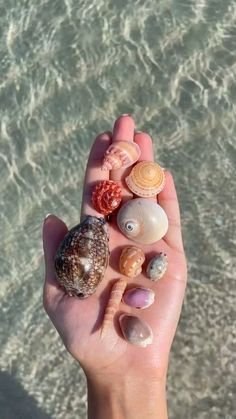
[131, 261]
[157, 266]
[146, 179]
[121, 154]
[82, 257]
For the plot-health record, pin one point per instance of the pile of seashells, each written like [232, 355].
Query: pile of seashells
[83, 255]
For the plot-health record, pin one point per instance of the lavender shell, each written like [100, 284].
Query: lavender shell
[135, 330]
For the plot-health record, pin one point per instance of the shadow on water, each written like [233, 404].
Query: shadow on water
[15, 402]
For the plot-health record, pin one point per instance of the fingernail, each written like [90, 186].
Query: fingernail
[139, 297]
[138, 132]
[126, 114]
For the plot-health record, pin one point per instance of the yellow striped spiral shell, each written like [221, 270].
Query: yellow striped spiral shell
[146, 179]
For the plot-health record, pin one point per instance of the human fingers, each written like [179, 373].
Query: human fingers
[170, 291]
[168, 200]
[123, 130]
[144, 142]
[94, 172]
[54, 230]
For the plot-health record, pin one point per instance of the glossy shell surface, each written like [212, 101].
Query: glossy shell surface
[146, 179]
[106, 196]
[131, 260]
[157, 266]
[135, 330]
[120, 154]
[142, 220]
[139, 297]
[82, 257]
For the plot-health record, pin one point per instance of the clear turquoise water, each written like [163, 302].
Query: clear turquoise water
[67, 70]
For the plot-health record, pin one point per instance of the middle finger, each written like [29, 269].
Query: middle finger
[123, 130]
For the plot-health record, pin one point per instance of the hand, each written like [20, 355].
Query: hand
[78, 321]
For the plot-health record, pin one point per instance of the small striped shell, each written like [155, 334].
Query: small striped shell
[157, 266]
[113, 305]
[120, 154]
[106, 196]
[131, 261]
[146, 179]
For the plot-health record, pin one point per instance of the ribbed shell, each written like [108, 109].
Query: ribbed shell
[131, 260]
[106, 196]
[146, 179]
[113, 305]
[82, 257]
[121, 154]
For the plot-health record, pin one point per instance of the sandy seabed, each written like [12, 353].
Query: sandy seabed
[67, 70]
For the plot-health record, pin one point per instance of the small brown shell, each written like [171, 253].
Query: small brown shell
[131, 260]
[106, 196]
[135, 330]
[82, 257]
[121, 154]
[113, 304]
[146, 179]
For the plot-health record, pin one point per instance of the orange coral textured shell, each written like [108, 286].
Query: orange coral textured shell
[131, 260]
[146, 179]
[106, 196]
[121, 154]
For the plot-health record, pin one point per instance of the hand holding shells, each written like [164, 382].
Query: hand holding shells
[84, 262]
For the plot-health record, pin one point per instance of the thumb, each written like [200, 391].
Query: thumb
[54, 230]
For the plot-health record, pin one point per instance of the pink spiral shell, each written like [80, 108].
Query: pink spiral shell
[121, 154]
[106, 196]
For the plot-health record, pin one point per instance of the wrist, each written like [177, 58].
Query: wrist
[126, 398]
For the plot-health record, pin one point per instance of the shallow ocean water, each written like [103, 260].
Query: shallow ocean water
[67, 70]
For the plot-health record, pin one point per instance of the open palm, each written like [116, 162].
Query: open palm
[79, 321]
